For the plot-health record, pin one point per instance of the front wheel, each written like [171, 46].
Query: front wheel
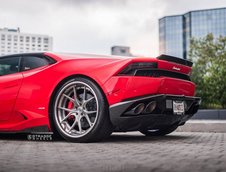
[159, 132]
[80, 111]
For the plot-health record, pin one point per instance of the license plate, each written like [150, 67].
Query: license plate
[178, 107]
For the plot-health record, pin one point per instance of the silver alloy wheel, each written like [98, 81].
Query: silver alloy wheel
[76, 109]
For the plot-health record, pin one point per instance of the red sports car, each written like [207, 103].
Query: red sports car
[85, 98]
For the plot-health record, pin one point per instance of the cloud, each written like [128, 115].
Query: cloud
[93, 26]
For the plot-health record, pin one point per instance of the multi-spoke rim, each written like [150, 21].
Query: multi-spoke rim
[76, 109]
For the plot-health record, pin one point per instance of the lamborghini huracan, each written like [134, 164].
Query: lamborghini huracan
[84, 98]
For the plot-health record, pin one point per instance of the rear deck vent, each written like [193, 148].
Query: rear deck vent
[160, 73]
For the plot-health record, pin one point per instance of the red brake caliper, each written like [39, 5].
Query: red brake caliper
[70, 106]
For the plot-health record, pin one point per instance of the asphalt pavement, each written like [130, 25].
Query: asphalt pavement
[133, 152]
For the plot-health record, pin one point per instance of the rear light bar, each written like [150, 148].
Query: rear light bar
[133, 67]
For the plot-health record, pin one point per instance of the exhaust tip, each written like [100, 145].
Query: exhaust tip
[139, 109]
[150, 107]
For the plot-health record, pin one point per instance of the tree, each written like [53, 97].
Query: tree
[209, 71]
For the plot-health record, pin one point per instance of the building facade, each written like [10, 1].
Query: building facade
[120, 51]
[175, 32]
[13, 41]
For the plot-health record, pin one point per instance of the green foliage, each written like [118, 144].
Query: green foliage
[209, 70]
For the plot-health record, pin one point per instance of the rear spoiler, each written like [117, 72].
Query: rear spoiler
[175, 60]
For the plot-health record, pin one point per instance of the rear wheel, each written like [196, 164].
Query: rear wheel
[80, 111]
[159, 132]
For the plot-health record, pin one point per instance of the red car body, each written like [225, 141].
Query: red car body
[25, 96]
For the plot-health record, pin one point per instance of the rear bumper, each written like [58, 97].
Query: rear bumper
[124, 119]
[118, 88]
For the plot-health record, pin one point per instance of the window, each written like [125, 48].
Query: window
[46, 40]
[3, 37]
[15, 38]
[32, 62]
[123, 51]
[27, 39]
[21, 38]
[39, 40]
[9, 37]
[9, 65]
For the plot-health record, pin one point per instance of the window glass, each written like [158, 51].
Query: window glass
[9, 65]
[32, 62]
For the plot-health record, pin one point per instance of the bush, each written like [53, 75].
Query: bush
[209, 70]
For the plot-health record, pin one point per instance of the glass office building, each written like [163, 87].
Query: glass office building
[176, 31]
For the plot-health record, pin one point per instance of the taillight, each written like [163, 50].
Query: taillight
[133, 67]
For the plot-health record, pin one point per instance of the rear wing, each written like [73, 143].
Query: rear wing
[175, 60]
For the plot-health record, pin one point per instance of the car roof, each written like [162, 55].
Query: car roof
[70, 56]
[67, 56]
[22, 54]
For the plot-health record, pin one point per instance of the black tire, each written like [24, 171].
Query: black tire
[96, 126]
[159, 132]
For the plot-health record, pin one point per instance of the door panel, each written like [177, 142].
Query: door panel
[10, 82]
[9, 88]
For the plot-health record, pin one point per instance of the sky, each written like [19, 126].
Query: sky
[94, 26]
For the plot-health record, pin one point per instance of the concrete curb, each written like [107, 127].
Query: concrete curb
[218, 126]
[213, 114]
